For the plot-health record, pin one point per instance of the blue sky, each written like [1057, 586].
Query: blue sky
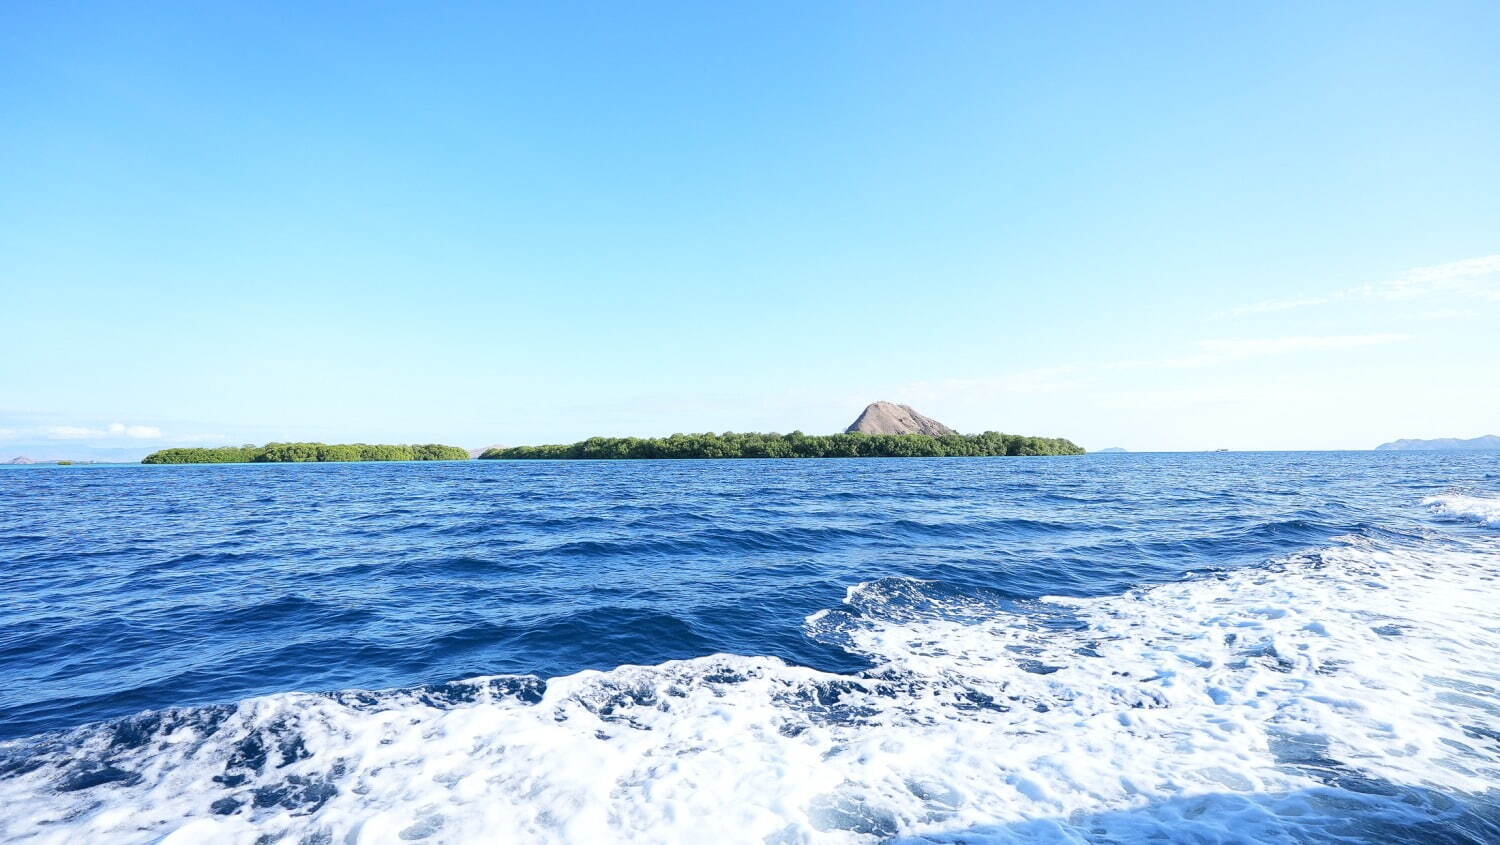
[1157, 226]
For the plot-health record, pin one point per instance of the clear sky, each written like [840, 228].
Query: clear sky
[1156, 226]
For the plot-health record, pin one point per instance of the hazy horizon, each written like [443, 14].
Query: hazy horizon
[1160, 228]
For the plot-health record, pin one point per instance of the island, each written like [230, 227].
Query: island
[882, 430]
[1448, 444]
[281, 453]
[795, 445]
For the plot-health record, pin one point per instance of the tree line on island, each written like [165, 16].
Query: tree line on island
[678, 446]
[795, 445]
[285, 453]
[882, 430]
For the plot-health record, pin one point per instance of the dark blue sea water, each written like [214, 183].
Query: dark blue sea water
[1255, 647]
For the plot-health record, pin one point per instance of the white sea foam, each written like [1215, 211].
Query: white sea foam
[1350, 693]
[1484, 510]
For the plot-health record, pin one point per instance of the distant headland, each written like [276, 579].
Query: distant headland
[1473, 444]
[290, 453]
[882, 430]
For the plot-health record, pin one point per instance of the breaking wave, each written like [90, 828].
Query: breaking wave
[1484, 510]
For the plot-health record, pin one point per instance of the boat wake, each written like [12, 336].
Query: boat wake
[1348, 694]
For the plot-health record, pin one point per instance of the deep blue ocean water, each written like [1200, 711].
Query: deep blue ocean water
[1293, 646]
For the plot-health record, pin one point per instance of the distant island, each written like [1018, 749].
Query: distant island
[795, 445]
[284, 453]
[1473, 444]
[1113, 450]
[882, 430]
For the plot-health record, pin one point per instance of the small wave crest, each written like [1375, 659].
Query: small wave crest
[1466, 507]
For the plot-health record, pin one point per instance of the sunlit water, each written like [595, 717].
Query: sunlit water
[1115, 648]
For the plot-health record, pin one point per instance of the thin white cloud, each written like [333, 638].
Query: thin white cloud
[1039, 380]
[9, 434]
[1279, 305]
[73, 432]
[114, 431]
[1216, 351]
[1210, 353]
[1234, 349]
[1473, 275]
[1237, 394]
[136, 432]
[1472, 278]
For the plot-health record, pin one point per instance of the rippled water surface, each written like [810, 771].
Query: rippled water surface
[1227, 647]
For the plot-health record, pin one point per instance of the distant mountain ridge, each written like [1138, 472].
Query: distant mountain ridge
[890, 418]
[1473, 444]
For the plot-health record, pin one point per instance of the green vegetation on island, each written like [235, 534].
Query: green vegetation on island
[795, 445]
[280, 453]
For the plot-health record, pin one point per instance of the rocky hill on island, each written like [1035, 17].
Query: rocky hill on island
[890, 418]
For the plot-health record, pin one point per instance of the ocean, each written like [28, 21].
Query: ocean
[1274, 647]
